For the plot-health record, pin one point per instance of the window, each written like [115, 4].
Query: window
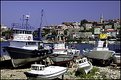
[20, 31]
[17, 31]
[40, 68]
[31, 43]
[34, 68]
[29, 32]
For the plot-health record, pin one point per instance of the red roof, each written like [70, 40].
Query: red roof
[110, 30]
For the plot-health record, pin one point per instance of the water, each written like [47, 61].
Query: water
[80, 46]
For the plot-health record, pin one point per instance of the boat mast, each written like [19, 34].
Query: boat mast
[27, 18]
[40, 36]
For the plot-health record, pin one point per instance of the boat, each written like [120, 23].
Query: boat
[85, 64]
[62, 54]
[39, 71]
[117, 58]
[101, 53]
[23, 49]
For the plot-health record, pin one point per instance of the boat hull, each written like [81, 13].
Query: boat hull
[104, 55]
[61, 58]
[117, 58]
[42, 76]
[21, 57]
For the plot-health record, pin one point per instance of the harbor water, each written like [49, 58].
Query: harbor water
[80, 46]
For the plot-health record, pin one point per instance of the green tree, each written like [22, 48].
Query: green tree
[83, 21]
[66, 32]
[54, 33]
[45, 32]
[7, 33]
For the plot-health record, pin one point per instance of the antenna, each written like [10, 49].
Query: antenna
[27, 18]
[22, 20]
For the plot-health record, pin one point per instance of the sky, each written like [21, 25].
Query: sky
[56, 12]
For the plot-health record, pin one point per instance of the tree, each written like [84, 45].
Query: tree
[94, 23]
[7, 33]
[66, 32]
[54, 33]
[83, 21]
[45, 32]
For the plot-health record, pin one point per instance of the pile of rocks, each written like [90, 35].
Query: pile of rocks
[109, 72]
[103, 73]
[13, 73]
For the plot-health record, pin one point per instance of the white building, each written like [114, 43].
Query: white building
[88, 25]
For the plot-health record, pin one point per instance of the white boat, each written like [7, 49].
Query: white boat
[61, 54]
[85, 64]
[101, 52]
[23, 49]
[39, 71]
[117, 58]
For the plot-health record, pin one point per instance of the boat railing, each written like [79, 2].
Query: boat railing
[101, 48]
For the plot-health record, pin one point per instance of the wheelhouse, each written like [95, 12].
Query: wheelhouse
[37, 67]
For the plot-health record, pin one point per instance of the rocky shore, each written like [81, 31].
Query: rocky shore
[107, 72]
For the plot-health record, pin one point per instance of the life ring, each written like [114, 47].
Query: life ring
[29, 37]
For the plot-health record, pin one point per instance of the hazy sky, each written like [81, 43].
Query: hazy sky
[56, 12]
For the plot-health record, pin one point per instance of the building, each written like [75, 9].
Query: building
[102, 19]
[117, 25]
[67, 25]
[108, 26]
[111, 32]
[88, 25]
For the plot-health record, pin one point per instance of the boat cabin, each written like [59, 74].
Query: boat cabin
[22, 35]
[59, 46]
[37, 67]
[23, 38]
[102, 45]
[82, 60]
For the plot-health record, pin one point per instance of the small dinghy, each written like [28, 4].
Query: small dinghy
[39, 71]
[85, 64]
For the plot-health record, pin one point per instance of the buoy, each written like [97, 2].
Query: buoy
[29, 37]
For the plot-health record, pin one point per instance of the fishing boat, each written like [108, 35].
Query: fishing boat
[39, 71]
[85, 64]
[101, 53]
[23, 49]
[62, 54]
